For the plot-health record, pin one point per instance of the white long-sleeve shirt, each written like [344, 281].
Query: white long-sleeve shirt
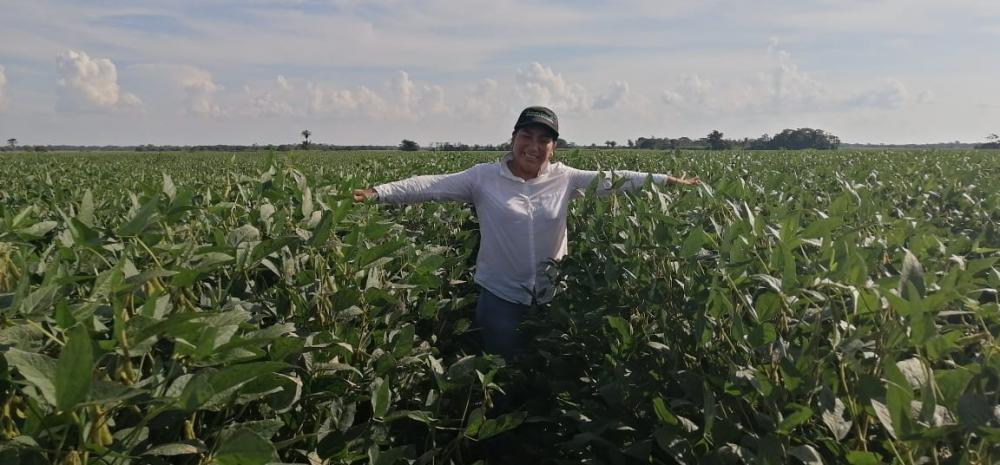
[522, 222]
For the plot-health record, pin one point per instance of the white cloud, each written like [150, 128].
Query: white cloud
[539, 85]
[275, 98]
[283, 82]
[3, 88]
[694, 93]
[415, 100]
[890, 93]
[616, 95]
[198, 90]
[327, 99]
[482, 101]
[671, 97]
[785, 88]
[402, 99]
[90, 83]
[788, 84]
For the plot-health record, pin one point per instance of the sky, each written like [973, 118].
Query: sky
[191, 72]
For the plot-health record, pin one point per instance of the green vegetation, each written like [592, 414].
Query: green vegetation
[814, 307]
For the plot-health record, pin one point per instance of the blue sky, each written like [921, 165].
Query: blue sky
[377, 71]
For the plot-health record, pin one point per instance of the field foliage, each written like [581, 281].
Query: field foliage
[809, 307]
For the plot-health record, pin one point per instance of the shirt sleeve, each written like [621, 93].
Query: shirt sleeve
[457, 187]
[582, 179]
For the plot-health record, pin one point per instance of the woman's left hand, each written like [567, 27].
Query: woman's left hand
[687, 181]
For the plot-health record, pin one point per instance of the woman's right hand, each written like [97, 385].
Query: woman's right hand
[360, 195]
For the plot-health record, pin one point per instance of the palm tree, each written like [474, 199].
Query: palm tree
[306, 133]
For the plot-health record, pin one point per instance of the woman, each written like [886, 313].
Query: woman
[521, 202]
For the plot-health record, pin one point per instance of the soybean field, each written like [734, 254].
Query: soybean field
[239, 308]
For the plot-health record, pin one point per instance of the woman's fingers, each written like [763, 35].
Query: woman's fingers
[360, 195]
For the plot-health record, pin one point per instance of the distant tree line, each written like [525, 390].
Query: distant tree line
[788, 139]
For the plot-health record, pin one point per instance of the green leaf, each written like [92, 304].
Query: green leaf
[37, 230]
[807, 454]
[621, 327]
[85, 214]
[37, 369]
[479, 427]
[176, 448]
[801, 415]
[75, 369]
[40, 299]
[82, 233]
[663, 413]
[168, 187]
[368, 256]
[384, 457]
[857, 457]
[244, 447]
[974, 410]
[912, 273]
[141, 219]
[322, 231]
[380, 398]
[692, 244]
[209, 384]
[898, 396]
[307, 202]
[768, 306]
[834, 419]
[769, 451]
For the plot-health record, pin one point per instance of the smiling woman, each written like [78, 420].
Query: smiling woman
[521, 201]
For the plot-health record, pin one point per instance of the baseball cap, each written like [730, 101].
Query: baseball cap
[538, 115]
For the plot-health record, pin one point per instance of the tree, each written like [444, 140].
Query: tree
[12, 142]
[993, 142]
[797, 139]
[715, 141]
[610, 143]
[409, 146]
[305, 143]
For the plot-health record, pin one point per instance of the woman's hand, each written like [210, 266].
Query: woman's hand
[360, 195]
[686, 181]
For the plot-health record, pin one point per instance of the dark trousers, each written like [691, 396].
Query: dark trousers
[498, 320]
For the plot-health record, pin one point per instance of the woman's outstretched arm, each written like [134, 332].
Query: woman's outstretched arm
[457, 187]
[581, 179]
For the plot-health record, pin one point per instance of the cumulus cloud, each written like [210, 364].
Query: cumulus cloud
[90, 83]
[616, 95]
[890, 93]
[401, 99]
[693, 92]
[274, 98]
[482, 101]
[784, 86]
[200, 89]
[416, 100]
[197, 88]
[788, 84]
[327, 99]
[539, 85]
[3, 88]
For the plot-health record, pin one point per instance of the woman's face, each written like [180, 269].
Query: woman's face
[532, 146]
